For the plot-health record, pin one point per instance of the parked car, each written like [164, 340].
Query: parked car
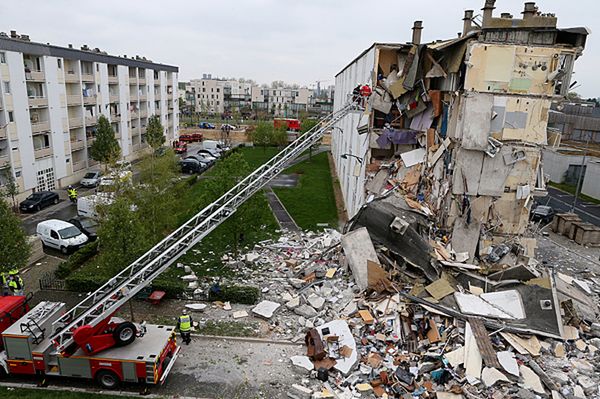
[201, 158]
[180, 147]
[191, 166]
[227, 126]
[206, 125]
[37, 201]
[87, 226]
[191, 137]
[210, 153]
[91, 179]
[542, 213]
[214, 145]
[60, 235]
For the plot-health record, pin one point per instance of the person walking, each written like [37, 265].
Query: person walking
[184, 323]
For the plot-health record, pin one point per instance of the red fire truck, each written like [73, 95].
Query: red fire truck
[291, 124]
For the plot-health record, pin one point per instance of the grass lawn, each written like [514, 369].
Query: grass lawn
[571, 190]
[312, 201]
[19, 393]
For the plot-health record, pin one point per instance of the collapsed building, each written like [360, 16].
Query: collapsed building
[455, 128]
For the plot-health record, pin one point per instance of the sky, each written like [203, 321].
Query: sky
[297, 41]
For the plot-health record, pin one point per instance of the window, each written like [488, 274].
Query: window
[11, 116]
[2, 57]
[6, 87]
[198, 95]
[59, 62]
[54, 234]
[218, 89]
[203, 90]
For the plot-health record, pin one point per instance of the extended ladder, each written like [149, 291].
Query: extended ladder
[105, 301]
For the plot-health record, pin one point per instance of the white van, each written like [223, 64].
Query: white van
[86, 206]
[60, 235]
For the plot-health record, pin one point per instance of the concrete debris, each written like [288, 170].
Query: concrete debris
[265, 309]
[491, 376]
[302, 362]
[239, 314]
[196, 307]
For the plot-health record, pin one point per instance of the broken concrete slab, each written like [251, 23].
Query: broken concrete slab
[265, 309]
[315, 301]
[302, 362]
[508, 362]
[359, 249]
[305, 311]
[472, 360]
[293, 303]
[239, 314]
[196, 307]
[531, 379]
[300, 392]
[490, 376]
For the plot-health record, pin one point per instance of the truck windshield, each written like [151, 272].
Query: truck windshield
[69, 232]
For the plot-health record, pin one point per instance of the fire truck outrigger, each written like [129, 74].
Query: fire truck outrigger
[87, 341]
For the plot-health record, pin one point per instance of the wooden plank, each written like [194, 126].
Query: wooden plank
[484, 343]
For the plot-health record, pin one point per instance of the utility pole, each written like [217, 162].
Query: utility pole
[581, 169]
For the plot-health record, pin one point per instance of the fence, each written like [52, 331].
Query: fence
[49, 282]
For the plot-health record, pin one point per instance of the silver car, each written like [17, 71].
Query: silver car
[91, 179]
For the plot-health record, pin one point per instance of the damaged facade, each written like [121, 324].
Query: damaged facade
[456, 127]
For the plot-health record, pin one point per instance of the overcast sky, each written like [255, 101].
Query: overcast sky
[298, 41]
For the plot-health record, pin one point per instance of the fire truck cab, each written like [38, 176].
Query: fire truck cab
[28, 350]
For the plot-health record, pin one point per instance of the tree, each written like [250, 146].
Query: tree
[262, 134]
[10, 187]
[105, 149]
[279, 136]
[15, 250]
[155, 133]
[245, 219]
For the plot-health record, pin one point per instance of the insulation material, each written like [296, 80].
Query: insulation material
[511, 69]
[476, 127]
[520, 118]
[467, 171]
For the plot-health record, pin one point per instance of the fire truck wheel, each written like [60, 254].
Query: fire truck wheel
[124, 333]
[107, 379]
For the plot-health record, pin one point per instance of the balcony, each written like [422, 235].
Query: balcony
[75, 122]
[4, 161]
[115, 117]
[143, 97]
[73, 99]
[134, 115]
[87, 77]
[113, 79]
[133, 80]
[143, 130]
[135, 131]
[77, 166]
[133, 96]
[143, 113]
[113, 98]
[169, 96]
[35, 76]
[77, 145]
[3, 133]
[90, 120]
[72, 77]
[90, 141]
[40, 127]
[43, 152]
[142, 81]
[89, 100]
[38, 102]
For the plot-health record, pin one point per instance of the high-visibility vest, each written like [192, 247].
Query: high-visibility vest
[185, 323]
[3, 278]
[13, 272]
[12, 284]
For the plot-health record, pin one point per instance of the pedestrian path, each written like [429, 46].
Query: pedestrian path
[285, 221]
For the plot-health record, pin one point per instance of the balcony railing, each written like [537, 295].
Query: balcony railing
[134, 115]
[143, 113]
[113, 79]
[35, 76]
[38, 102]
[4, 161]
[39, 127]
[143, 97]
[90, 141]
[142, 81]
[90, 120]
[87, 77]
[43, 152]
[77, 145]
[77, 166]
[115, 117]
[133, 96]
[3, 133]
[113, 98]
[73, 99]
[135, 131]
[75, 122]
[72, 77]
[89, 100]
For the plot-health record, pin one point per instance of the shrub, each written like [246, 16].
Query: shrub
[173, 287]
[245, 294]
[76, 260]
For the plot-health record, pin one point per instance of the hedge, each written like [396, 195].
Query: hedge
[76, 260]
[245, 294]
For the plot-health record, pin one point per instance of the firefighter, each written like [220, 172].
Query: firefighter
[184, 323]
[4, 282]
[15, 284]
[72, 193]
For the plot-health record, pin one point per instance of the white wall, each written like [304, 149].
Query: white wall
[591, 181]
[349, 141]
[175, 107]
[57, 113]
[124, 134]
[104, 96]
[556, 163]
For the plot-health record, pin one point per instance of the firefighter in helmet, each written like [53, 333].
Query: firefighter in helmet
[72, 193]
[184, 323]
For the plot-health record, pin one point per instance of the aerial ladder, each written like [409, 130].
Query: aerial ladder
[89, 325]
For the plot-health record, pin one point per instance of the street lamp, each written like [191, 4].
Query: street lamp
[345, 156]
[581, 168]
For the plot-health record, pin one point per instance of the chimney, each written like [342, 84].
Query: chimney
[25, 38]
[506, 15]
[530, 10]
[13, 34]
[417, 28]
[70, 45]
[467, 21]
[488, 9]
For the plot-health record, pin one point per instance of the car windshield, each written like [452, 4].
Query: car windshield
[69, 232]
[88, 223]
[35, 197]
[89, 175]
[543, 210]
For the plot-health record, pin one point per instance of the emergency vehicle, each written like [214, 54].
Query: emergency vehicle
[292, 125]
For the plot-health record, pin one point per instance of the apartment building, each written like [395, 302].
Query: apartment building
[50, 101]
[455, 128]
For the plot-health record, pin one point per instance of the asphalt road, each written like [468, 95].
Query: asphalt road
[562, 201]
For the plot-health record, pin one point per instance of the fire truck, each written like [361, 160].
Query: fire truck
[292, 125]
[88, 341]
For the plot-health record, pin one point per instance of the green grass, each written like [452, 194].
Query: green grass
[256, 156]
[19, 393]
[312, 201]
[571, 189]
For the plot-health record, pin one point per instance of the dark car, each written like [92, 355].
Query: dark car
[206, 125]
[542, 213]
[37, 201]
[192, 166]
[87, 226]
[201, 158]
